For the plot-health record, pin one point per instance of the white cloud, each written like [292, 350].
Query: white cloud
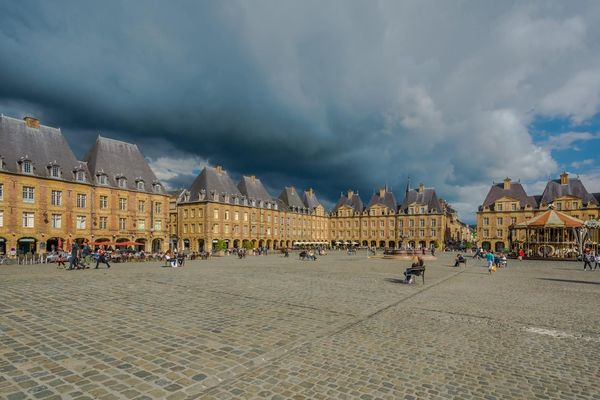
[583, 163]
[168, 168]
[578, 98]
[567, 140]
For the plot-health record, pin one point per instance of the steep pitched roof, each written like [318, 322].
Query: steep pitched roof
[424, 196]
[289, 196]
[514, 191]
[388, 200]
[309, 198]
[352, 200]
[213, 179]
[120, 159]
[574, 187]
[42, 146]
[252, 187]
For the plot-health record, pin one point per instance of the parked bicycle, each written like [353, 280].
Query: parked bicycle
[6, 261]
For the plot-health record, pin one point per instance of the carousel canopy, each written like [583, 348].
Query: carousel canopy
[551, 219]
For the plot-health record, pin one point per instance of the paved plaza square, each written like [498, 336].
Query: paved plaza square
[342, 327]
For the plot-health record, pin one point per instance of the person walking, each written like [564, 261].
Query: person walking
[521, 254]
[597, 261]
[490, 261]
[74, 254]
[61, 261]
[588, 258]
[102, 258]
[86, 252]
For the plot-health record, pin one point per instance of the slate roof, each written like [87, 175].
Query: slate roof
[290, 198]
[354, 202]
[427, 197]
[42, 146]
[388, 200]
[116, 158]
[309, 198]
[515, 191]
[213, 179]
[252, 187]
[574, 187]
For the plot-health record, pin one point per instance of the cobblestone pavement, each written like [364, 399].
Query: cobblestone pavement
[342, 327]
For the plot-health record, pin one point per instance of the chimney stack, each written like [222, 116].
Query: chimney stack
[382, 192]
[350, 194]
[32, 122]
[421, 187]
[506, 183]
[218, 168]
[564, 178]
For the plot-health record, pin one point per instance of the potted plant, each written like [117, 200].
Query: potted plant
[220, 248]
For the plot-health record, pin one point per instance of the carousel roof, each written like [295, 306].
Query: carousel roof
[552, 219]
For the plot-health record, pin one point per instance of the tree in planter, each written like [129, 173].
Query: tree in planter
[221, 245]
[248, 245]
[469, 246]
[436, 244]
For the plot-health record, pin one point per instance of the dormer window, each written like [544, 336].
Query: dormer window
[55, 171]
[157, 188]
[236, 200]
[215, 196]
[268, 205]
[122, 182]
[102, 179]
[80, 176]
[139, 185]
[253, 203]
[26, 167]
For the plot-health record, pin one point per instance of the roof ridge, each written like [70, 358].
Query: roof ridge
[105, 138]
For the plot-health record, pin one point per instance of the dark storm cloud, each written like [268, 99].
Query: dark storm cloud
[332, 95]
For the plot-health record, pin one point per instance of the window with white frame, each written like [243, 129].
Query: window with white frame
[141, 206]
[122, 224]
[103, 201]
[28, 219]
[80, 176]
[28, 194]
[141, 224]
[56, 221]
[103, 222]
[81, 200]
[140, 185]
[80, 222]
[122, 182]
[123, 204]
[157, 225]
[55, 171]
[1, 218]
[26, 167]
[157, 208]
[1, 192]
[102, 180]
[56, 198]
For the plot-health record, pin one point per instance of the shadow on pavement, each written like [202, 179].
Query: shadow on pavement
[394, 280]
[569, 281]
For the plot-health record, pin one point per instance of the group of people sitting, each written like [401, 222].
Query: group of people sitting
[174, 260]
[308, 255]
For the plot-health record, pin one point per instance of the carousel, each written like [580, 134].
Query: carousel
[552, 234]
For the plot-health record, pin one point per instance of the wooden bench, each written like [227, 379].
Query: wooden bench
[418, 271]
